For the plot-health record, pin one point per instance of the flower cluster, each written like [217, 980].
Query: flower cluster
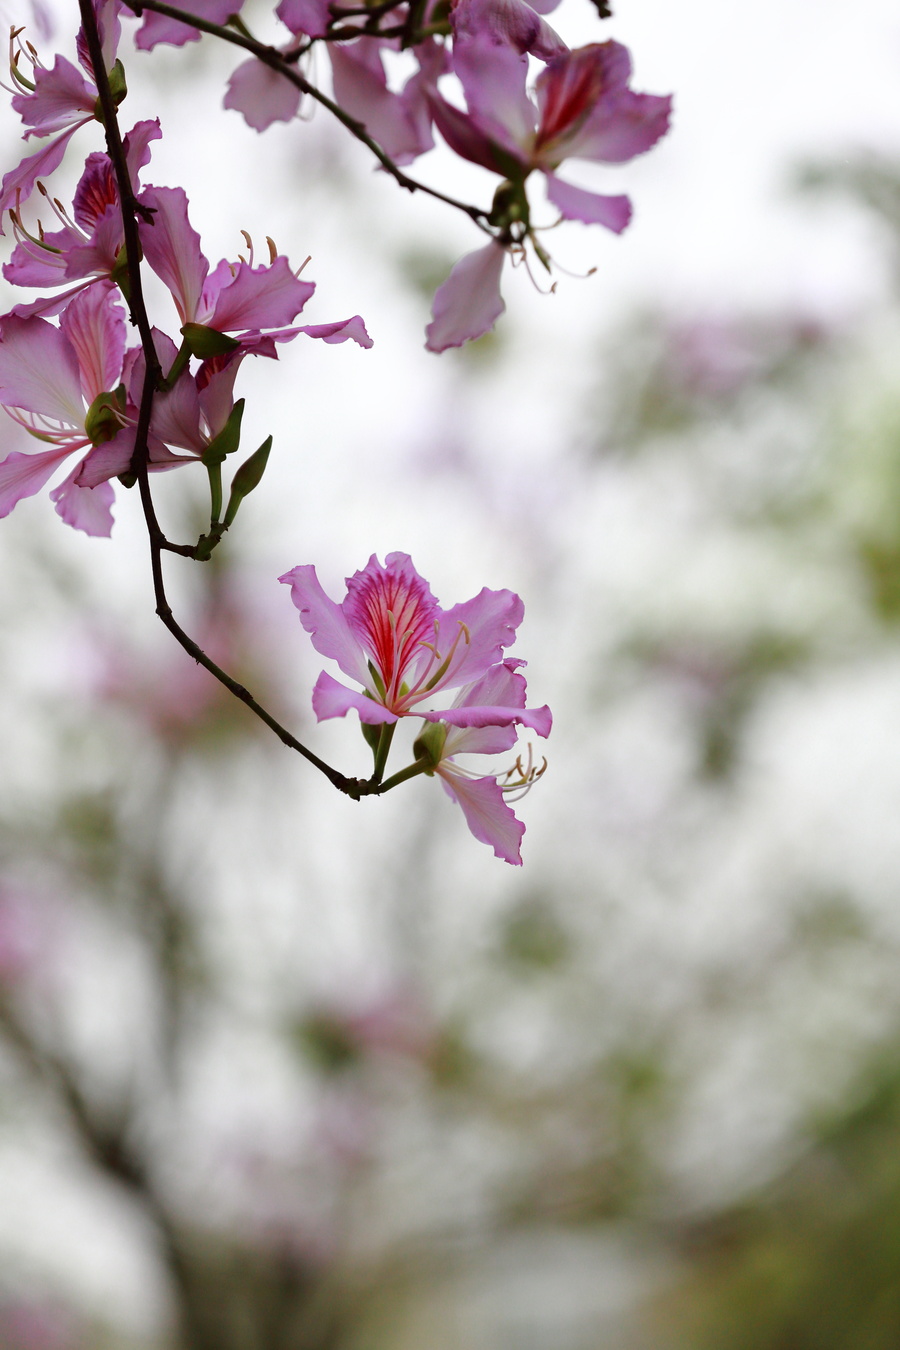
[390, 635]
[580, 107]
[531, 103]
[74, 384]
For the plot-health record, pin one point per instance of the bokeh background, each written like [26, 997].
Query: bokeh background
[280, 1071]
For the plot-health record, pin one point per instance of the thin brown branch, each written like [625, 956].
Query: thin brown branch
[275, 60]
[353, 787]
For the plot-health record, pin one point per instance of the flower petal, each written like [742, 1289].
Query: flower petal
[95, 326]
[332, 699]
[305, 16]
[538, 719]
[326, 623]
[18, 184]
[489, 622]
[172, 248]
[343, 331]
[39, 370]
[23, 475]
[469, 302]
[255, 297]
[487, 815]
[158, 28]
[87, 509]
[61, 96]
[576, 203]
[362, 92]
[261, 95]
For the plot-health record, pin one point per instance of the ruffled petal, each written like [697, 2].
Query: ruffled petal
[538, 719]
[345, 330]
[87, 509]
[61, 96]
[256, 297]
[326, 624]
[23, 475]
[488, 623]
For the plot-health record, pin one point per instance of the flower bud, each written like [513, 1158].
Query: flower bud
[429, 744]
[247, 478]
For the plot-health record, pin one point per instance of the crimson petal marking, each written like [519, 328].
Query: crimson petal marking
[392, 612]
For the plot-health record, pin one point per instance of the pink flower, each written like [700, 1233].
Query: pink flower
[483, 797]
[236, 298]
[583, 109]
[390, 635]
[88, 246]
[53, 101]
[51, 382]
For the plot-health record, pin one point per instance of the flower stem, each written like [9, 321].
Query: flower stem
[383, 749]
[411, 771]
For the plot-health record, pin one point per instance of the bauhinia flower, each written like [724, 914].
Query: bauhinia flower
[63, 385]
[56, 102]
[390, 635]
[89, 245]
[582, 108]
[483, 798]
[235, 300]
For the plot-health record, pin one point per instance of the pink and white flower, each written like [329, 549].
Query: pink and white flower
[50, 381]
[390, 635]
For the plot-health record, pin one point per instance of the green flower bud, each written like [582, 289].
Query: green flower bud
[429, 744]
[247, 478]
[104, 418]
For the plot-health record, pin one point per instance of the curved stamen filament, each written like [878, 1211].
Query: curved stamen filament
[421, 688]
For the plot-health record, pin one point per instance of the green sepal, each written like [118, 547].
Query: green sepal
[246, 479]
[371, 735]
[429, 744]
[228, 439]
[104, 419]
[117, 87]
[204, 341]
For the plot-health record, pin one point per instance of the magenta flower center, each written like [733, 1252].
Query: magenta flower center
[393, 615]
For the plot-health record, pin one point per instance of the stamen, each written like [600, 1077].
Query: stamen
[249, 243]
[273, 251]
[307, 259]
[528, 775]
